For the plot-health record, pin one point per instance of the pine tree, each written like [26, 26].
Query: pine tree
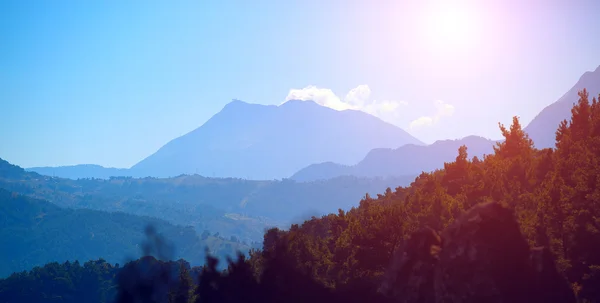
[208, 290]
[184, 286]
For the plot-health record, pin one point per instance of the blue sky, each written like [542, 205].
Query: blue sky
[110, 82]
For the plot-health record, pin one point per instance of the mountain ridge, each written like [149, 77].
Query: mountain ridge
[266, 142]
[409, 159]
[81, 171]
[224, 157]
[231, 206]
[541, 130]
[543, 126]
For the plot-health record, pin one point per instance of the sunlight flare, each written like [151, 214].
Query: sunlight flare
[451, 27]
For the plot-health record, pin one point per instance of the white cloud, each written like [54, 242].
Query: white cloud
[442, 110]
[358, 98]
[421, 121]
[322, 96]
[381, 107]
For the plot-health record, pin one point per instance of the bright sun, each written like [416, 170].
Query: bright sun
[450, 28]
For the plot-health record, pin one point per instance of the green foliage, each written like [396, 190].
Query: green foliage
[93, 282]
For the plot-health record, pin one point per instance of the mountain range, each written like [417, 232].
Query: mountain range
[260, 142]
[263, 142]
[406, 160]
[413, 159]
[90, 218]
[105, 216]
[232, 207]
[81, 171]
[308, 142]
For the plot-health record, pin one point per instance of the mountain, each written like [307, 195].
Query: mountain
[543, 127]
[407, 160]
[34, 232]
[81, 171]
[265, 142]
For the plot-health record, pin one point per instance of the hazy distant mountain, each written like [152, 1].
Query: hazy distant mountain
[269, 142]
[403, 161]
[81, 171]
[543, 127]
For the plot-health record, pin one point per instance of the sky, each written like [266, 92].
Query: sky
[110, 82]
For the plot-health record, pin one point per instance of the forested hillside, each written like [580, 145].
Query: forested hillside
[541, 198]
[35, 232]
[232, 207]
[175, 200]
[555, 194]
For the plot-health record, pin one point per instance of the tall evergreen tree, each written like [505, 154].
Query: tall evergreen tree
[184, 287]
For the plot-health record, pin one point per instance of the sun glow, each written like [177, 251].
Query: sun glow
[450, 28]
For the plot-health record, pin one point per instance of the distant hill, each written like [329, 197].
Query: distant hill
[265, 142]
[232, 207]
[408, 160]
[188, 201]
[34, 232]
[81, 171]
[543, 127]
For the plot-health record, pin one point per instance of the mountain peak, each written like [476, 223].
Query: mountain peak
[239, 107]
[236, 102]
[269, 142]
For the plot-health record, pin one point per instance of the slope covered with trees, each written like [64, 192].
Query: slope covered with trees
[555, 194]
[35, 232]
[187, 200]
[232, 207]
